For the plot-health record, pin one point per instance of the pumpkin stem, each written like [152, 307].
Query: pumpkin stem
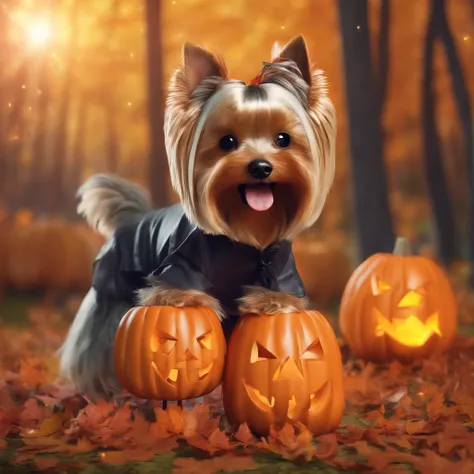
[402, 247]
[164, 404]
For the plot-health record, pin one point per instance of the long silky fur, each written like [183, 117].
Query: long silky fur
[86, 357]
[107, 201]
[258, 300]
[184, 109]
[160, 295]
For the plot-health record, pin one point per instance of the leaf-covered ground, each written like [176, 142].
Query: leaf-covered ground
[398, 419]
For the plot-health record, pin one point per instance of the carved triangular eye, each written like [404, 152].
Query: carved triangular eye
[162, 341]
[412, 298]
[314, 351]
[260, 353]
[379, 286]
[205, 341]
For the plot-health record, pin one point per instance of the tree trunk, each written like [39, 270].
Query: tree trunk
[158, 166]
[36, 186]
[463, 104]
[112, 159]
[79, 144]
[369, 183]
[57, 198]
[77, 158]
[13, 134]
[113, 141]
[435, 175]
[4, 109]
[384, 57]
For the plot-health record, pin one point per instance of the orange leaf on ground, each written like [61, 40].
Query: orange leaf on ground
[432, 463]
[327, 446]
[32, 372]
[93, 417]
[425, 407]
[198, 421]
[290, 445]
[44, 463]
[128, 455]
[121, 420]
[220, 440]
[201, 443]
[225, 463]
[400, 441]
[33, 414]
[49, 426]
[380, 460]
[464, 403]
[244, 435]
[174, 417]
[413, 427]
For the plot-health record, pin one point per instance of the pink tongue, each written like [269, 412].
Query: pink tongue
[259, 198]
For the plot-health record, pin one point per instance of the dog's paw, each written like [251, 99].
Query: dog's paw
[160, 295]
[259, 300]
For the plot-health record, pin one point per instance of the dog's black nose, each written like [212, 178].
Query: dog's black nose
[260, 168]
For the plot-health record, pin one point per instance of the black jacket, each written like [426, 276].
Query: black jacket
[165, 244]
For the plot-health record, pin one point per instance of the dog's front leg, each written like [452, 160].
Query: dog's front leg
[161, 294]
[259, 300]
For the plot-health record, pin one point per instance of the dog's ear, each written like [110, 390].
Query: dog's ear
[200, 64]
[296, 51]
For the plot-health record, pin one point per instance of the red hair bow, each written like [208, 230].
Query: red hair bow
[256, 80]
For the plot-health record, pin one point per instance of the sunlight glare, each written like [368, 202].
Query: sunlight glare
[38, 32]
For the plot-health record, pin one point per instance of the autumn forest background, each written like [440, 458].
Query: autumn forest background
[82, 90]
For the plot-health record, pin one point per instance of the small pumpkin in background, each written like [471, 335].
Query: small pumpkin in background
[4, 243]
[50, 254]
[398, 306]
[168, 353]
[25, 252]
[323, 267]
[284, 368]
[64, 242]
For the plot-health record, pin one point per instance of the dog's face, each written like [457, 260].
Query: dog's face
[252, 166]
[253, 162]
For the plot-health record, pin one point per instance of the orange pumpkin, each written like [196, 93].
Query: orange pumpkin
[36, 251]
[168, 353]
[284, 368]
[398, 306]
[25, 252]
[63, 242]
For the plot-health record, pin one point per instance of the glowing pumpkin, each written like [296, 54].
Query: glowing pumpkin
[398, 306]
[284, 368]
[168, 353]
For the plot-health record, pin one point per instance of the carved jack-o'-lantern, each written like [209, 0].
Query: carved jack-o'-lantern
[284, 368]
[168, 353]
[398, 306]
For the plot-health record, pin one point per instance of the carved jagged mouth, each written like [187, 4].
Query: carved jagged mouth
[318, 398]
[260, 400]
[409, 331]
[265, 403]
[174, 373]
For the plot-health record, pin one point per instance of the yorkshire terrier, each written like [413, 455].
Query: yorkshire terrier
[252, 165]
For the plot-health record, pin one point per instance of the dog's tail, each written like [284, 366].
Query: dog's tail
[108, 201]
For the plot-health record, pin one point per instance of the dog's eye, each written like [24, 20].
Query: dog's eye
[228, 142]
[282, 140]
